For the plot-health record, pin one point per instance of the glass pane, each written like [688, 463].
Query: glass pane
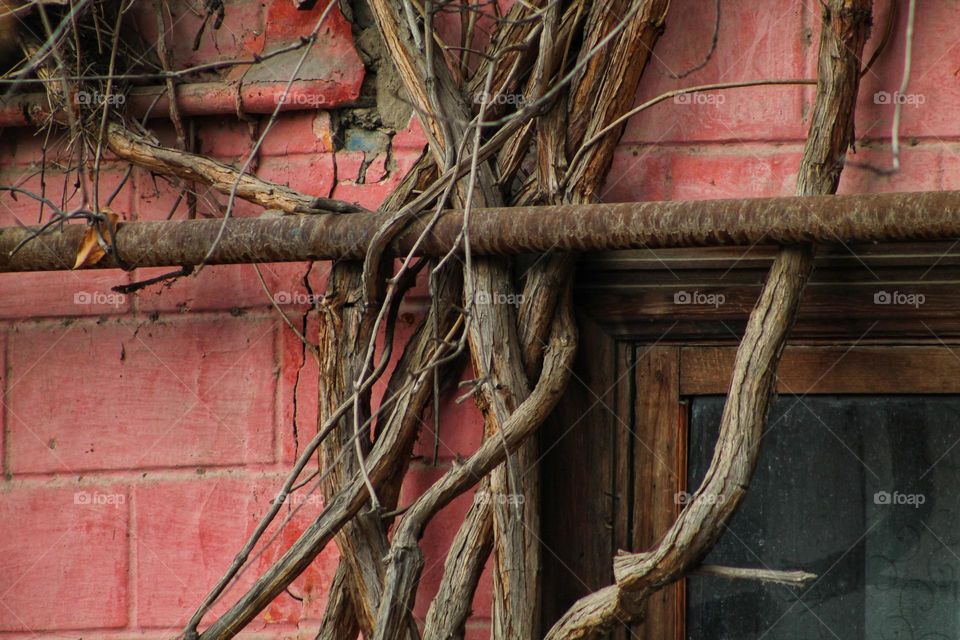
[863, 491]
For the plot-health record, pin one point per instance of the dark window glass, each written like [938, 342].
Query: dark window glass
[863, 491]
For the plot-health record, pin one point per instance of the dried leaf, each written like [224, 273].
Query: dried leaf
[90, 251]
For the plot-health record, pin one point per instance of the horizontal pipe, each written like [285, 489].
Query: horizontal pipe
[517, 230]
[193, 99]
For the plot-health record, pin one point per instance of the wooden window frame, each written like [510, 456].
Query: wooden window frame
[614, 452]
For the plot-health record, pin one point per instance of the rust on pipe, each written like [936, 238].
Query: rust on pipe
[193, 99]
[592, 227]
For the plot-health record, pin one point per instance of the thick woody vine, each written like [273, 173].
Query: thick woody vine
[526, 109]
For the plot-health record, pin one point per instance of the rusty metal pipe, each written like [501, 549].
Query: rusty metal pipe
[193, 99]
[593, 227]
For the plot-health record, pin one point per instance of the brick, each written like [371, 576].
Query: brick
[419, 293]
[365, 195]
[17, 209]
[477, 628]
[403, 160]
[311, 174]
[349, 164]
[24, 146]
[437, 538]
[226, 138]
[317, 277]
[62, 294]
[637, 174]
[222, 287]
[240, 35]
[933, 92]
[156, 197]
[299, 385]
[950, 162]
[752, 44]
[63, 555]
[745, 172]
[188, 393]
[461, 427]
[406, 325]
[285, 23]
[63, 191]
[377, 169]
[330, 74]
[166, 134]
[299, 379]
[412, 138]
[306, 132]
[3, 405]
[371, 194]
[449, 25]
[188, 533]
[920, 169]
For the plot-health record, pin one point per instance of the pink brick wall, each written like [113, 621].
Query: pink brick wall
[143, 435]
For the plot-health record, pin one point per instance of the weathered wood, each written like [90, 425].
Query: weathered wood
[790, 578]
[142, 152]
[624, 488]
[462, 568]
[406, 559]
[832, 369]
[705, 259]
[582, 497]
[840, 303]
[345, 330]
[656, 448]
[494, 348]
[693, 533]
[340, 619]
[473, 543]
[606, 87]
[342, 336]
